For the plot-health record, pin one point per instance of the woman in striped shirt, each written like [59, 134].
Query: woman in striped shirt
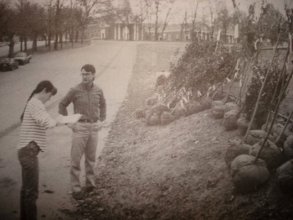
[35, 121]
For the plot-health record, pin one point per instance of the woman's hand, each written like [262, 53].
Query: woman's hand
[70, 125]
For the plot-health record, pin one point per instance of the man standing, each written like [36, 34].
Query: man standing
[88, 100]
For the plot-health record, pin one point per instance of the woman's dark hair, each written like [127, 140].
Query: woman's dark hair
[89, 68]
[45, 84]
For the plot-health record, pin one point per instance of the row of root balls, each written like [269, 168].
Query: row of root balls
[275, 159]
[156, 113]
[249, 174]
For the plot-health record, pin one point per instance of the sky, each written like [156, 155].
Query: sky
[181, 6]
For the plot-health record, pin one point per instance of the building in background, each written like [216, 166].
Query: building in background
[131, 30]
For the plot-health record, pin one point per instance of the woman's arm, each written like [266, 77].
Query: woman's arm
[41, 116]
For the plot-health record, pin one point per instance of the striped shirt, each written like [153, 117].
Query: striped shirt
[36, 121]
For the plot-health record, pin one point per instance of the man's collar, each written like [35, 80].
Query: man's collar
[87, 86]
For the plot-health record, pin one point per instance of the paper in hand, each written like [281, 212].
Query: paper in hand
[70, 119]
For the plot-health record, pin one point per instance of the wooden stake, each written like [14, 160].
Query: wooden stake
[274, 98]
[261, 89]
[283, 130]
[275, 115]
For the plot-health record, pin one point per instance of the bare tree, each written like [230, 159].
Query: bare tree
[57, 19]
[184, 26]
[87, 8]
[166, 20]
[37, 22]
[140, 15]
[194, 20]
[158, 5]
[148, 10]
[72, 22]
[49, 25]
[212, 19]
[8, 22]
[157, 8]
[22, 24]
[91, 8]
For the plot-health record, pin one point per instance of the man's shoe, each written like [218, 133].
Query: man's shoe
[78, 195]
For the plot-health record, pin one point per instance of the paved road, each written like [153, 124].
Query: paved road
[114, 62]
[61, 67]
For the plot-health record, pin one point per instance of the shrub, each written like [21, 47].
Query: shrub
[266, 101]
[200, 67]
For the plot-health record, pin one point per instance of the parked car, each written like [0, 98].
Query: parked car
[8, 64]
[22, 58]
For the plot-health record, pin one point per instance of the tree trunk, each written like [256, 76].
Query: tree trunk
[212, 33]
[76, 36]
[150, 34]
[21, 43]
[11, 46]
[56, 42]
[193, 37]
[49, 40]
[61, 40]
[35, 42]
[157, 20]
[166, 23]
[71, 36]
[56, 24]
[25, 43]
[82, 35]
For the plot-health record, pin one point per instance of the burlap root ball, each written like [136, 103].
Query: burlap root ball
[242, 124]
[161, 80]
[139, 113]
[159, 109]
[284, 176]
[270, 153]
[154, 114]
[255, 136]
[235, 150]
[231, 106]
[151, 101]
[178, 111]
[230, 120]
[288, 147]
[217, 103]
[218, 111]
[153, 119]
[193, 107]
[166, 118]
[218, 95]
[206, 103]
[280, 137]
[247, 174]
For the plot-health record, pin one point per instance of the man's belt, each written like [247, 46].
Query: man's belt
[87, 120]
